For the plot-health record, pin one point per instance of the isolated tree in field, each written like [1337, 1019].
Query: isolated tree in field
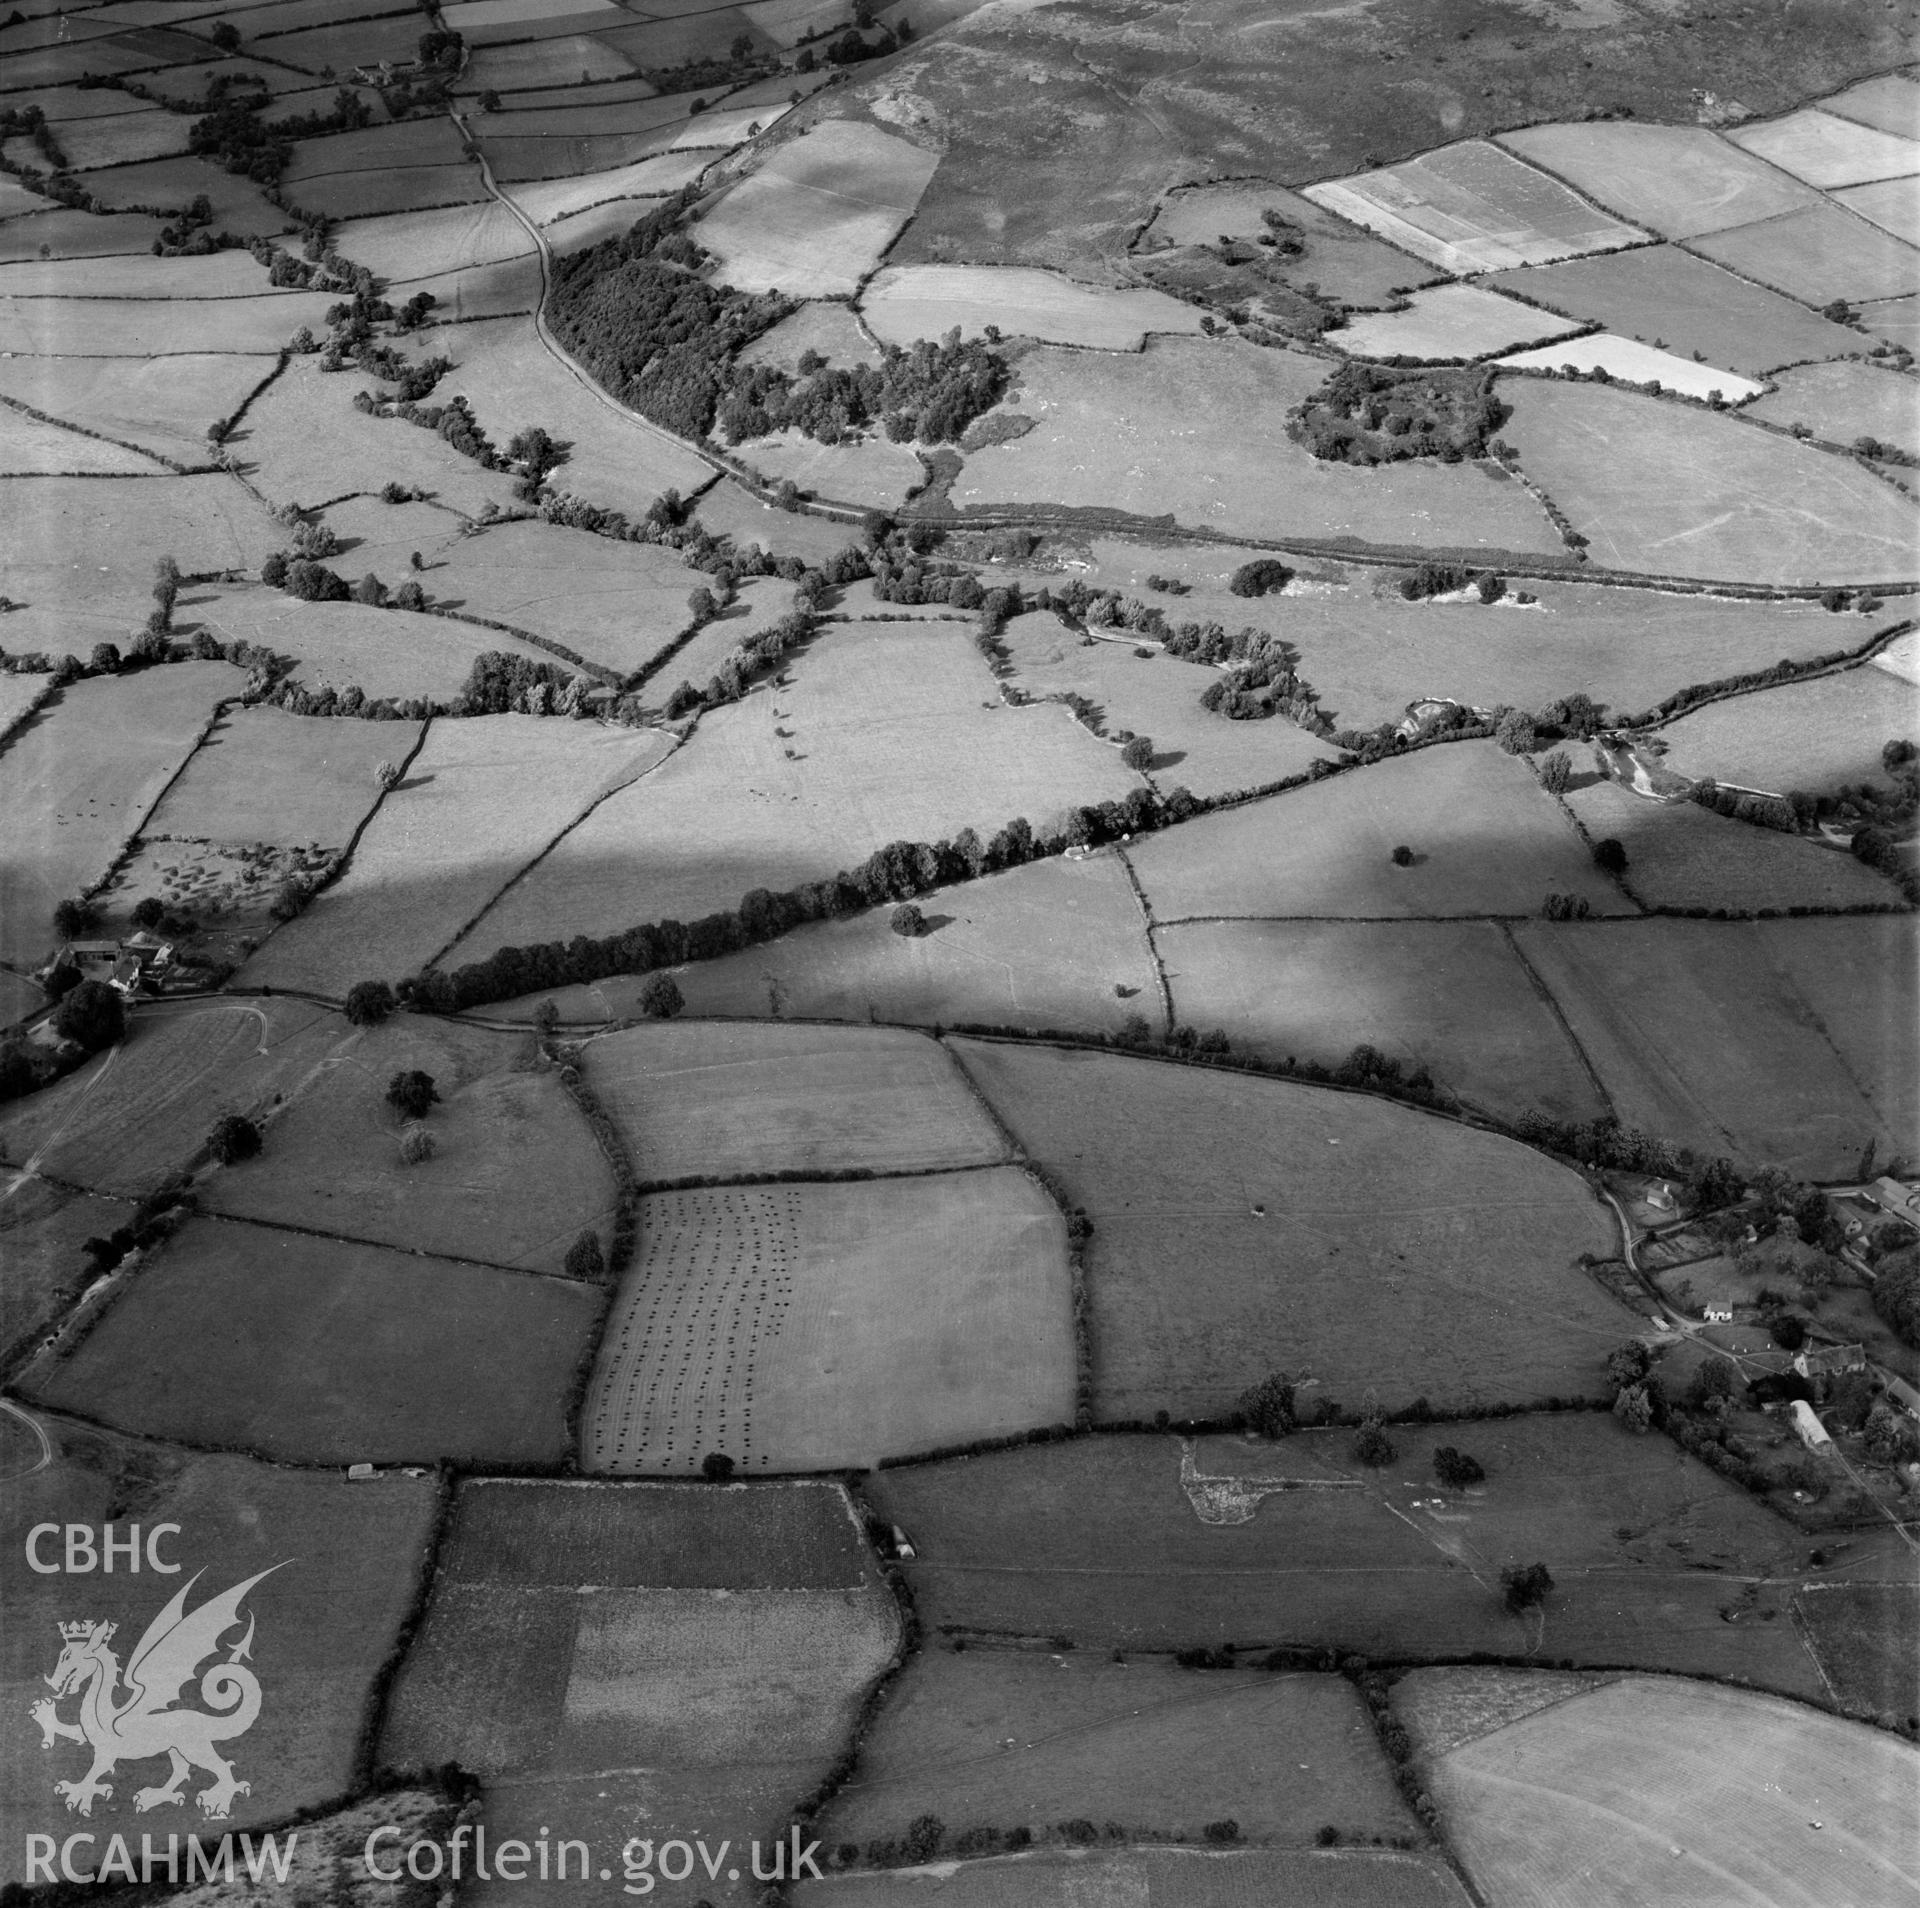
[1259, 576]
[1524, 1585]
[17, 1074]
[1610, 855]
[371, 591]
[73, 917]
[233, 1138]
[409, 596]
[907, 921]
[702, 605]
[1138, 754]
[369, 1002]
[585, 1260]
[1403, 856]
[1455, 1469]
[411, 1093]
[716, 1467]
[226, 36]
[290, 897]
[273, 572]
[1373, 1448]
[1634, 1407]
[660, 997]
[93, 1015]
[416, 1146]
[489, 101]
[1266, 1409]
[416, 561]
[387, 774]
[1556, 772]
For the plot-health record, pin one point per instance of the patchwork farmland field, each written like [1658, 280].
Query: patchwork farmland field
[999, 1737]
[1294, 1543]
[1817, 254]
[1197, 428]
[81, 777]
[42, 1233]
[515, 1177]
[880, 733]
[924, 301]
[331, 1352]
[1449, 321]
[822, 1327]
[415, 882]
[1678, 181]
[1808, 735]
[31, 447]
[163, 405]
[1828, 151]
[1627, 361]
[1486, 840]
[1687, 1787]
[1751, 504]
[1252, 1224]
[1890, 204]
[1054, 944]
[706, 1099]
[1668, 298]
[1891, 102]
[1473, 208]
[346, 1560]
[1784, 1040]
[1842, 403]
[1453, 997]
[819, 212]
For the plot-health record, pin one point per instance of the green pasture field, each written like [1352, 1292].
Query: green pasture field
[363, 43]
[1299, 1545]
[263, 775]
[238, 206]
[1890, 102]
[330, 1352]
[163, 405]
[512, 383]
[383, 652]
[1486, 839]
[1054, 944]
[428, 141]
[123, 139]
[1371, 654]
[1452, 996]
[303, 442]
[1895, 319]
[126, 1123]
[103, 327]
[820, 210]
[713, 1645]
[1345, 261]
[909, 302]
[693, 33]
[622, 91]
[1660, 294]
[698, 1098]
[577, 231]
[1678, 181]
[616, 604]
[79, 779]
[872, 473]
[998, 1738]
[42, 1229]
[350, 1557]
[482, 799]
[77, 235]
[516, 1174]
[1789, 1041]
[534, 63]
[728, 510]
[1473, 207]
[758, 603]
[1449, 321]
[1215, 1878]
[516, 160]
[878, 732]
[1829, 151]
[817, 1327]
[1889, 203]
[18, 693]
[1680, 855]
[822, 325]
[33, 448]
[1158, 696]
[1244, 1225]
[1818, 254]
[546, 200]
[1810, 735]
[1197, 428]
[1842, 402]
[372, 191]
[1857, 1631]
[1675, 490]
[1656, 1786]
[583, 116]
[228, 274]
[19, 997]
[409, 245]
[786, 22]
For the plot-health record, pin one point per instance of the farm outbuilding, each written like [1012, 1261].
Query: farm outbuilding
[1811, 1432]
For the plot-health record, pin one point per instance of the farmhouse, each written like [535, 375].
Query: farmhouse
[1718, 1314]
[1905, 1396]
[1896, 1200]
[1829, 1361]
[133, 966]
[1812, 1433]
